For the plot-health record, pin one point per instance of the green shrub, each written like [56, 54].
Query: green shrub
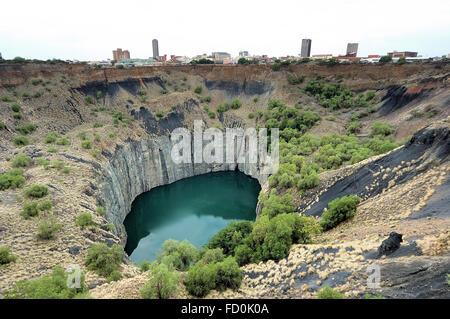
[276, 67]
[6, 98]
[235, 104]
[29, 210]
[228, 274]
[160, 114]
[201, 278]
[114, 276]
[36, 191]
[370, 95]
[52, 286]
[62, 141]
[5, 256]
[12, 179]
[15, 107]
[255, 99]
[354, 127]
[58, 164]
[223, 108]
[296, 79]
[25, 94]
[47, 229]
[379, 128]
[17, 116]
[66, 170]
[101, 211]
[2, 126]
[36, 82]
[329, 293]
[26, 129]
[212, 114]
[51, 137]
[231, 236]
[162, 284]
[180, 255]
[163, 91]
[84, 219]
[99, 95]
[98, 124]
[339, 209]
[82, 136]
[89, 99]
[87, 144]
[21, 160]
[45, 205]
[37, 94]
[275, 205]
[104, 260]
[385, 59]
[52, 149]
[198, 90]
[145, 265]
[251, 115]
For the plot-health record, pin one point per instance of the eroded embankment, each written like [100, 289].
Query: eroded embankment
[140, 166]
[427, 148]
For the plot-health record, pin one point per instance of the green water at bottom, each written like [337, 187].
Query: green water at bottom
[194, 208]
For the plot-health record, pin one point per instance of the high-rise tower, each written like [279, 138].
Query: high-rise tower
[155, 49]
[306, 48]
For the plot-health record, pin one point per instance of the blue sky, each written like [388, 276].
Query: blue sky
[90, 30]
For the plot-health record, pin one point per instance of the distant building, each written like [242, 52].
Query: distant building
[352, 49]
[403, 54]
[119, 54]
[219, 57]
[243, 54]
[155, 48]
[322, 56]
[306, 48]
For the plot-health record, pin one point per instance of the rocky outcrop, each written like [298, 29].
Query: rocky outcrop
[140, 166]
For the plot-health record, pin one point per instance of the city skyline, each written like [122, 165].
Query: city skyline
[186, 29]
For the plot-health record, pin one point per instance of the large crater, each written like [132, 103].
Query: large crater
[140, 166]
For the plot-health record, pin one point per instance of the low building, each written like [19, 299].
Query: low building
[243, 54]
[321, 56]
[218, 57]
[403, 54]
[119, 54]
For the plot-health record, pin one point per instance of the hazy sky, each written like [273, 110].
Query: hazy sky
[90, 30]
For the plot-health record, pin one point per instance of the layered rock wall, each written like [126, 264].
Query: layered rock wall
[140, 166]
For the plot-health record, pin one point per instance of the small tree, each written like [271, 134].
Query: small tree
[162, 284]
[104, 260]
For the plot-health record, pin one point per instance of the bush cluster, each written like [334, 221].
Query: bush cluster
[104, 260]
[12, 179]
[52, 286]
[339, 210]
[21, 160]
[162, 284]
[26, 128]
[5, 256]
[36, 191]
[269, 237]
[333, 96]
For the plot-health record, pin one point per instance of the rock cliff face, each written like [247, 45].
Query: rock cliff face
[140, 166]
